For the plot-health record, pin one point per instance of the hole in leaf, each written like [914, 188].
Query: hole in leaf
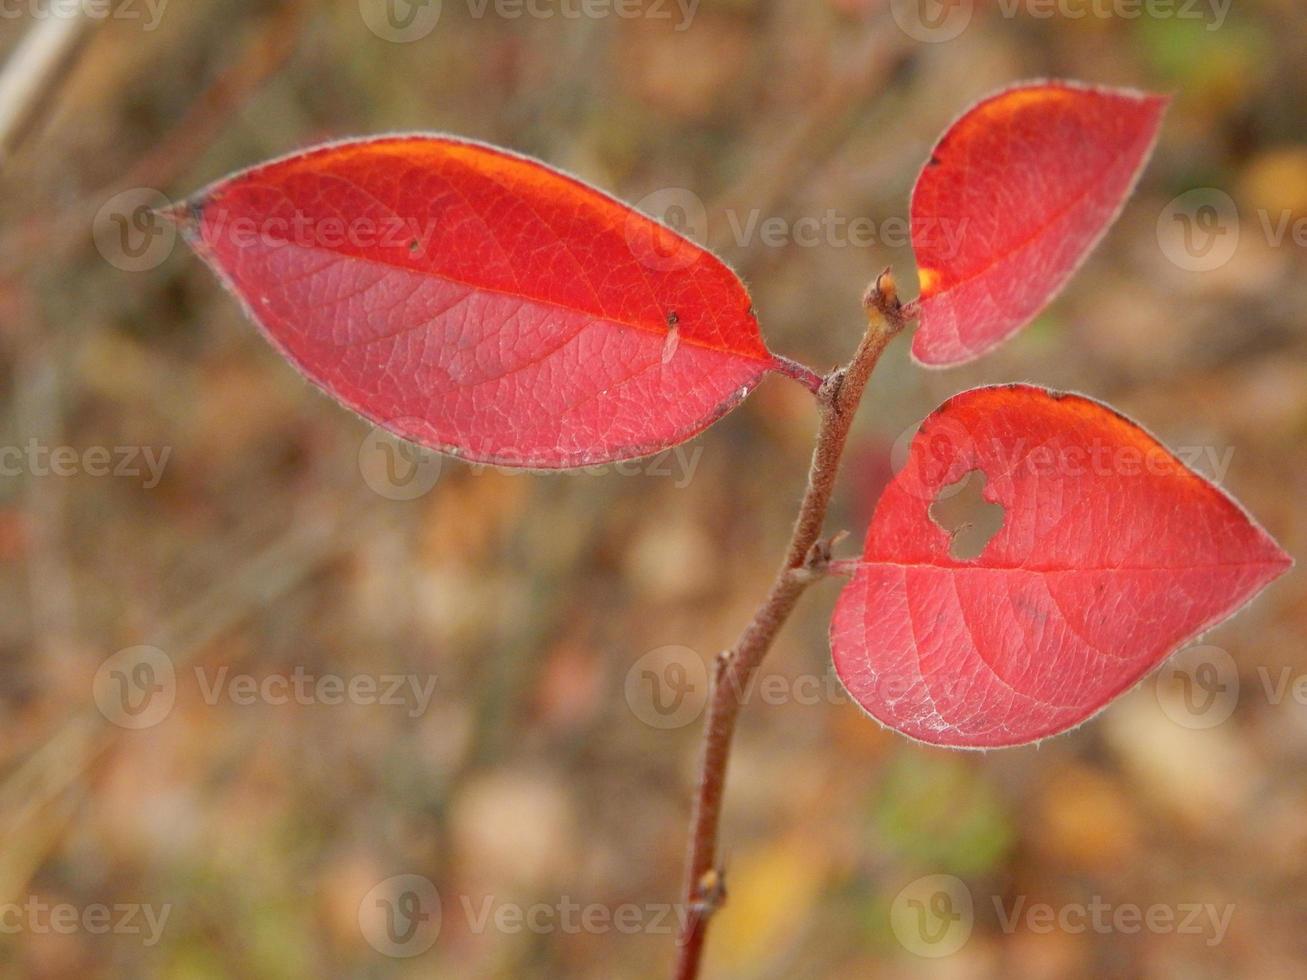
[970, 520]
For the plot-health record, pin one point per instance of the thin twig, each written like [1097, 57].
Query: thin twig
[801, 373]
[806, 561]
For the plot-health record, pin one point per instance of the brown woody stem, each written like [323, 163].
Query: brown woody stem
[807, 559]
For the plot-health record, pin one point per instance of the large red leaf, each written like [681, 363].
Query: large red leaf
[1012, 200]
[480, 303]
[1111, 554]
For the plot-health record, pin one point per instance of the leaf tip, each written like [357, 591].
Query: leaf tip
[186, 215]
[1280, 559]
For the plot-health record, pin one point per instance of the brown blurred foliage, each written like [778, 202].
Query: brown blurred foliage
[532, 775]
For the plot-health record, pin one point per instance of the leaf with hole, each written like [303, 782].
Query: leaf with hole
[1014, 197]
[481, 303]
[1109, 555]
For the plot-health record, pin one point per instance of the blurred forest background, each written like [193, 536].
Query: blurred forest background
[542, 625]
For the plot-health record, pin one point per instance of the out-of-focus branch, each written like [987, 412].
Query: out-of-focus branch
[32, 76]
[261, 56]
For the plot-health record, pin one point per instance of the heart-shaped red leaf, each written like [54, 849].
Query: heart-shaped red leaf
[1111, 554]
[1012, 200]
[481, 303]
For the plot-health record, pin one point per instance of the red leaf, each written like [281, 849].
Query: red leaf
[480, 303]
[1111, 554]
[1014, 197]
